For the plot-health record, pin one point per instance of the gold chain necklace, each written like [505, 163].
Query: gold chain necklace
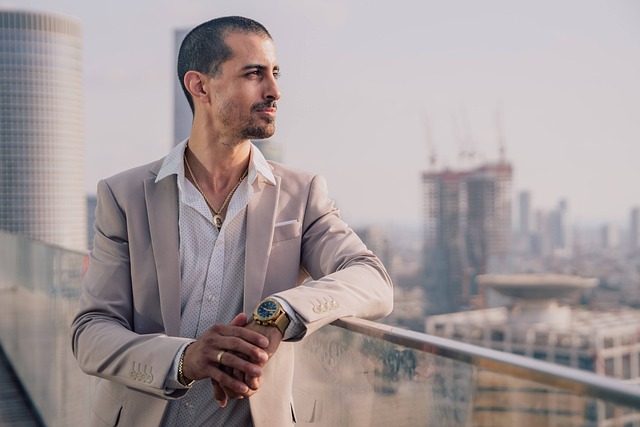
[217, 214]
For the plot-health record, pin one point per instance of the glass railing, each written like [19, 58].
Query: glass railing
[352, 373]
[362, 373]
[39, 290]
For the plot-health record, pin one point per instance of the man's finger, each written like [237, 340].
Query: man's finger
[218, 394]
[238, 331]
[239, 320]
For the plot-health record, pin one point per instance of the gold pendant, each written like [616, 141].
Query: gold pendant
[217, 221]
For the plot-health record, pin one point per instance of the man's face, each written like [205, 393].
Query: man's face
[245, 92]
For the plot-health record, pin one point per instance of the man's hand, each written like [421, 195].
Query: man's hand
[245, 351]
[221, 393]
[274, 336]
[271, 332]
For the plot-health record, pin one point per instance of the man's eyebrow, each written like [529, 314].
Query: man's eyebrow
[258, 67]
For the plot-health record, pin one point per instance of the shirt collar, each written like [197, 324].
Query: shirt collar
[173, 164]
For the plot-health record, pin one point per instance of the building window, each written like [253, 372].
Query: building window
[626, 367]
[540, 355]
[542, 338]
[609, 367]
[586, 363]
[563, 359]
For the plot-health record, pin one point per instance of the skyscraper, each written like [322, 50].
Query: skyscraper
[92, 203]
[41, 136]
[634, 229]
[467, 225]
[270, 149]
[182, 116]
[560, 235]
[609, 236]
[524, 206]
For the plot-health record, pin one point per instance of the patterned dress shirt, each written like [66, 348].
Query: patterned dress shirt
[212, 283]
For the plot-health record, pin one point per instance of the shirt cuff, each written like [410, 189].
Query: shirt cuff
[296, 329]
[171, 383]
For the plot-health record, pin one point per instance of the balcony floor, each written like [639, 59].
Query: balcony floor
[15, 407]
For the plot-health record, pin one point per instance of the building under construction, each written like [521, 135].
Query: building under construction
[467, 226]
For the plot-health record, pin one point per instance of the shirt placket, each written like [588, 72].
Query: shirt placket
[210, 312]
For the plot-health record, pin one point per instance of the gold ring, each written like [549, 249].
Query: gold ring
[219, 357]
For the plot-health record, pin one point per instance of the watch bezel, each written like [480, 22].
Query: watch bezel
[273, 316]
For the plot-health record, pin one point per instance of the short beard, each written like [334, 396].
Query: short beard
[255, 131]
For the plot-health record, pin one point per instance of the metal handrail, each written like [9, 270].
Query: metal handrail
[566, 378]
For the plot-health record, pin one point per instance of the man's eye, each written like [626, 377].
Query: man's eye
[276, 75]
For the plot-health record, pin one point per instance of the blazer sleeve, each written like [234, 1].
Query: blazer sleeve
[347, 279]
[103, 335]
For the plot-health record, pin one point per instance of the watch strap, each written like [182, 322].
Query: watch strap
[282, 322]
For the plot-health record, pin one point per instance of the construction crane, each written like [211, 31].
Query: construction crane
[431, 150]
[462, 131]
[500, 132]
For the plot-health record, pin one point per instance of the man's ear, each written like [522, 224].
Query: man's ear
[195, 83]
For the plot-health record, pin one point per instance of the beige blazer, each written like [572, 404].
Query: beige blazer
[127, 328]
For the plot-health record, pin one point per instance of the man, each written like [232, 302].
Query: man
[204, 261]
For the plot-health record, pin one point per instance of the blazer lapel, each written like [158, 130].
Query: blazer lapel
[261, 215]
[162, 210]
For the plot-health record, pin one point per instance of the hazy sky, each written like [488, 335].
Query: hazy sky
[361, 80]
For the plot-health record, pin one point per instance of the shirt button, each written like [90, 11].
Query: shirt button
[210, 297]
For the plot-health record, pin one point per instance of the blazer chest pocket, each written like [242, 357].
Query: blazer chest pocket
[286, 230]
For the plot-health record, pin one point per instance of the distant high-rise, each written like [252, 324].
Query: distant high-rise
[377, 240]
[609, 236]
[92, 203]
[524, 206]
[182, 115]
[270, 149]
[467, 225]
[41, 136]
[560, 236]
[634, 229]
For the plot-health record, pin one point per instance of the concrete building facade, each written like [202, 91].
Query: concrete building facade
[538, 325]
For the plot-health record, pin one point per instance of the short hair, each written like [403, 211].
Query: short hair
[204, 49]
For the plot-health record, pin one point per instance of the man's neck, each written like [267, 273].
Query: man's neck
[217, 162]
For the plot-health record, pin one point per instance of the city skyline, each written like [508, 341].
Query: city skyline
[364, 80]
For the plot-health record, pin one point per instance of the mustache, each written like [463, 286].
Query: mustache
[264, 105]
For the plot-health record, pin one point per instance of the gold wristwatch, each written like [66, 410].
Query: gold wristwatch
[270, 313]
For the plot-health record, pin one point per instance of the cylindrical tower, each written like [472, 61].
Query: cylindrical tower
[41, 134]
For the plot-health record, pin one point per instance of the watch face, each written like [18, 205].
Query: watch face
[267, 309]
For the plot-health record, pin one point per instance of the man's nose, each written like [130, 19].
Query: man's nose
[272, 92]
